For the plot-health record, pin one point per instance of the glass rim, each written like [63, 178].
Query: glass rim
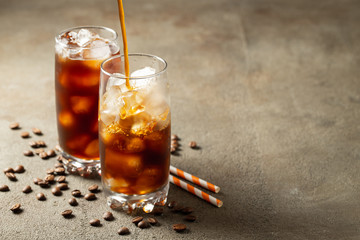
[113, 39]
[157, 73]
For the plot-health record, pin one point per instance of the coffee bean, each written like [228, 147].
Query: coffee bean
[16, 208]
[58, 148]
[60, 170]
[108, 216]
[51, 153]
[177, 208]
[190, 218]
[143, 224]
[93, 188]
[61, 179]
[43, 184]
[174, 137]
[67, 213]
[36, 131]
[39, 150]
[157, 211]
[4, 188]
[25, 134]
[123, 231]
[60, 159]
[179, 227]
[172, 204]
[187, 210]
[62, 186]
[9, 169]
[28, 153]
[36, 180]
[192, 144]
[43, 155]
[136, 220]
[172, 150]
[49, 178]
[73, 202]
[41, 143]
[40, 197]
[11, 176]
[174, 144]
[95, 222]
[90, 197]
[27, 189]
[76, 193]
[50, 171]
[19, 169]
[58, 165]
[56, 191]
[152, 221]
[14, 125]
[33, 144]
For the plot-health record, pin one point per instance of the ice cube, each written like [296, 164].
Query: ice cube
[84, 36]
[117, 81]
[81, 105]
[132, 165]
[92, 149]
[143, 72]
[112, 103]
[66, 119]
[78, 142]
[96, 49]
[135, 145]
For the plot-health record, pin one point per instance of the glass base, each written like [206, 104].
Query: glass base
[84, 168]
[129, 203]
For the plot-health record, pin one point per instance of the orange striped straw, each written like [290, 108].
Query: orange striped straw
[195, 191]
[191, 178]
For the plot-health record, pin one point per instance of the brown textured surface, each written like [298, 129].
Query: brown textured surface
[269, 89]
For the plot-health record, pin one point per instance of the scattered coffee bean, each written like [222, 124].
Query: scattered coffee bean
[143, 224]
[172, 150]
[43, 183]
[62, 186]
[190, 218]
[152, 221]
[192, 144]
[51, 153]
[41, 143]
[28, 153]
[11, 176]
[95, 222]
[9, 169]
[123, 231]
[19, 169]
[4, 188]
[56, 191]
[174, 144]
[14, 125]
[16, 208]
[174, 137]
[179, 227]
[58, 148]
[36, 180]
[43, 155]
[157, 211]
[58, 165]
[40, 197]
[177, 208]
[39, 150]
[60, 170]
[49, 178]
[187, 210]
[61, 179]
[33, 144]
[25, 134]
[27, 189]
[76, 193]
[60, 159]
[136, 220]
[90, 196]
[36, 131]
[50, 171]
[172, 204]
[108, 216]
[66, 213]
[73, 202]
[93, 188]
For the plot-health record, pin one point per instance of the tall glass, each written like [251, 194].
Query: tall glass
[134, 132]
[79, 54]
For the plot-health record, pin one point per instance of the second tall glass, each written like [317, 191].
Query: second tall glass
[79, 53]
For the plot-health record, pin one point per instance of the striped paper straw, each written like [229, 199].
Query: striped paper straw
[195, 191]
[194, 179]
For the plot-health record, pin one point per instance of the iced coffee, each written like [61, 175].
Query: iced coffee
[79, 53]
[134, 132]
